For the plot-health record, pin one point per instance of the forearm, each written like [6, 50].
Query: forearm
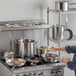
[58, 48]
[61, 49]
[68, 49]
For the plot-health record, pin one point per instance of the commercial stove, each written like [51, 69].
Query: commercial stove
[43, 69]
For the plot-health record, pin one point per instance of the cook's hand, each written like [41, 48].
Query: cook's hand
[65, 59]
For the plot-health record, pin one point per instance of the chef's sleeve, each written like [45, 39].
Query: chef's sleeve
[70, 49]
[71, 65]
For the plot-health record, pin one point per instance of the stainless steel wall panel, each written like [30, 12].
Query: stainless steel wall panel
[39, 35]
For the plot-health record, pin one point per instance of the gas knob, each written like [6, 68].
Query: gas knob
[35, 74]
[25, 75]
[42, 73]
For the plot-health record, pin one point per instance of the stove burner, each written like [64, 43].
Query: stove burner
[40, 59]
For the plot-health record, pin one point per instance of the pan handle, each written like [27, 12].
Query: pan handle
[70, 33]
[13, 68]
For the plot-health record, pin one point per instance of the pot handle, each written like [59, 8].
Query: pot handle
[70, 33]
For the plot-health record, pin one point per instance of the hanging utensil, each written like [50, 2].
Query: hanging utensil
[62, 6]
[61, 33]
[68, 34]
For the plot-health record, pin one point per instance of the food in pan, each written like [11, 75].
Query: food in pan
[17, 62]
[42, 48]
[33, 60]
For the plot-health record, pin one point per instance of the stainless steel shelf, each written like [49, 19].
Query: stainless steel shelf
[2, 28]
[63, 41]
[71, 10]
